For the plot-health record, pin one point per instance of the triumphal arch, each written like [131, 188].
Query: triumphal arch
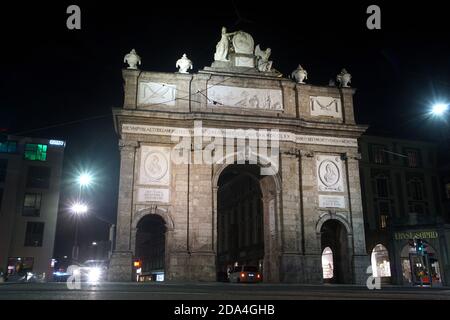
[237, 165]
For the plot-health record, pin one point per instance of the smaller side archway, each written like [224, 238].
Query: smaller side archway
[151, 233]
[335, 241]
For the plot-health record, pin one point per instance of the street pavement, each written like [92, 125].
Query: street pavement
[213, 291]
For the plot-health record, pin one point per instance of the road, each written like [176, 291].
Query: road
[213, 291]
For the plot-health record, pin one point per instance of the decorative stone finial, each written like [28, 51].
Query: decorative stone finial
[132, 59]
[184, 64]
[344, 78]
[300, 74]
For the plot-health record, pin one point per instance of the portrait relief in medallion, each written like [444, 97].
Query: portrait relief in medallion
[329, 174]
[155, 165]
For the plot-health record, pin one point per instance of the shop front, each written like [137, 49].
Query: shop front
[419, 257]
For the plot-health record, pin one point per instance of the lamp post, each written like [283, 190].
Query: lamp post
[77, 209]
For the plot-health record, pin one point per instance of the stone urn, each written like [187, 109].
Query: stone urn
[344, 78]
[184, 64]
[300, 75]
[132, 59]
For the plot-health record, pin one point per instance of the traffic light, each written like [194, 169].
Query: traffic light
[419, 246]
[137, 264]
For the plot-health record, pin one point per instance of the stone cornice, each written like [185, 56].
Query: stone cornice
[242, 121]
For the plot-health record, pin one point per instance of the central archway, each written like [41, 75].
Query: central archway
[247, 225]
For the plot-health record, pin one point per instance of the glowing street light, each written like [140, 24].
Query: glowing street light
[79, 208]
[85, 179]
[439, 109]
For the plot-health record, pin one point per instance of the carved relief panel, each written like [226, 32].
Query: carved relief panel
[269, 99]
[325, 106]
[156, 93]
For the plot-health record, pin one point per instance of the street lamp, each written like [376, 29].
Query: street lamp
[439, 109]
[78, 209]
[85, 179]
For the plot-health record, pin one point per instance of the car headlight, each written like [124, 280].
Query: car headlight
[94, 274]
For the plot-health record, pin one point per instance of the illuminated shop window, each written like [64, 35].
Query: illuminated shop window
[8, 147]
[327, 263]
[36, 152]
[380, 261]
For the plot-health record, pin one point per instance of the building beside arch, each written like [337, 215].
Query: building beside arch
[402, 198]
[242, 166]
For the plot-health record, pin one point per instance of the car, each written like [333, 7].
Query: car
[245, 274]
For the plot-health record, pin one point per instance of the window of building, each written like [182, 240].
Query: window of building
[415, 189]
[32, 205]
[383, 221]
[413, 158]
[34, 234]
[379, 155]
[3, 168]
[38, 177]
[8, 147]
[382, 186]
[36, 152]
[383, 214]
[447, 188]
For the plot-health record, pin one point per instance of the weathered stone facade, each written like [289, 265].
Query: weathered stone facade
[185, 195]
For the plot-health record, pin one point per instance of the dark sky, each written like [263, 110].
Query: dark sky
[58, 83]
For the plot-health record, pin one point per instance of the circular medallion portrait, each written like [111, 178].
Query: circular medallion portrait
[155, 165]
[329, 173]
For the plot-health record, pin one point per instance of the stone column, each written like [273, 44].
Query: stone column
[291, 255]
[312, 254]
[360, 260]
[202, 223]
[120, 268]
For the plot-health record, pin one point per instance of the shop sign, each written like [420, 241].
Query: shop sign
[415, 235]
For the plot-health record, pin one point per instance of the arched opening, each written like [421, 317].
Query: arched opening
[334, 236]
[420, 268]
[381, 267]
[327, 264]
[151, 248]
[240, 219]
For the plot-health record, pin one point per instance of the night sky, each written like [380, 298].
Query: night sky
[59, 83]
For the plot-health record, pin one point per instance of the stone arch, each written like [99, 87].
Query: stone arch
[162, 212]
[139, 214]
[324, 217]
[222, 164]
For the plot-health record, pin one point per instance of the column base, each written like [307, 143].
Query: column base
[202, 266]
[297, 268]
[359, 268]
[121, 266]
